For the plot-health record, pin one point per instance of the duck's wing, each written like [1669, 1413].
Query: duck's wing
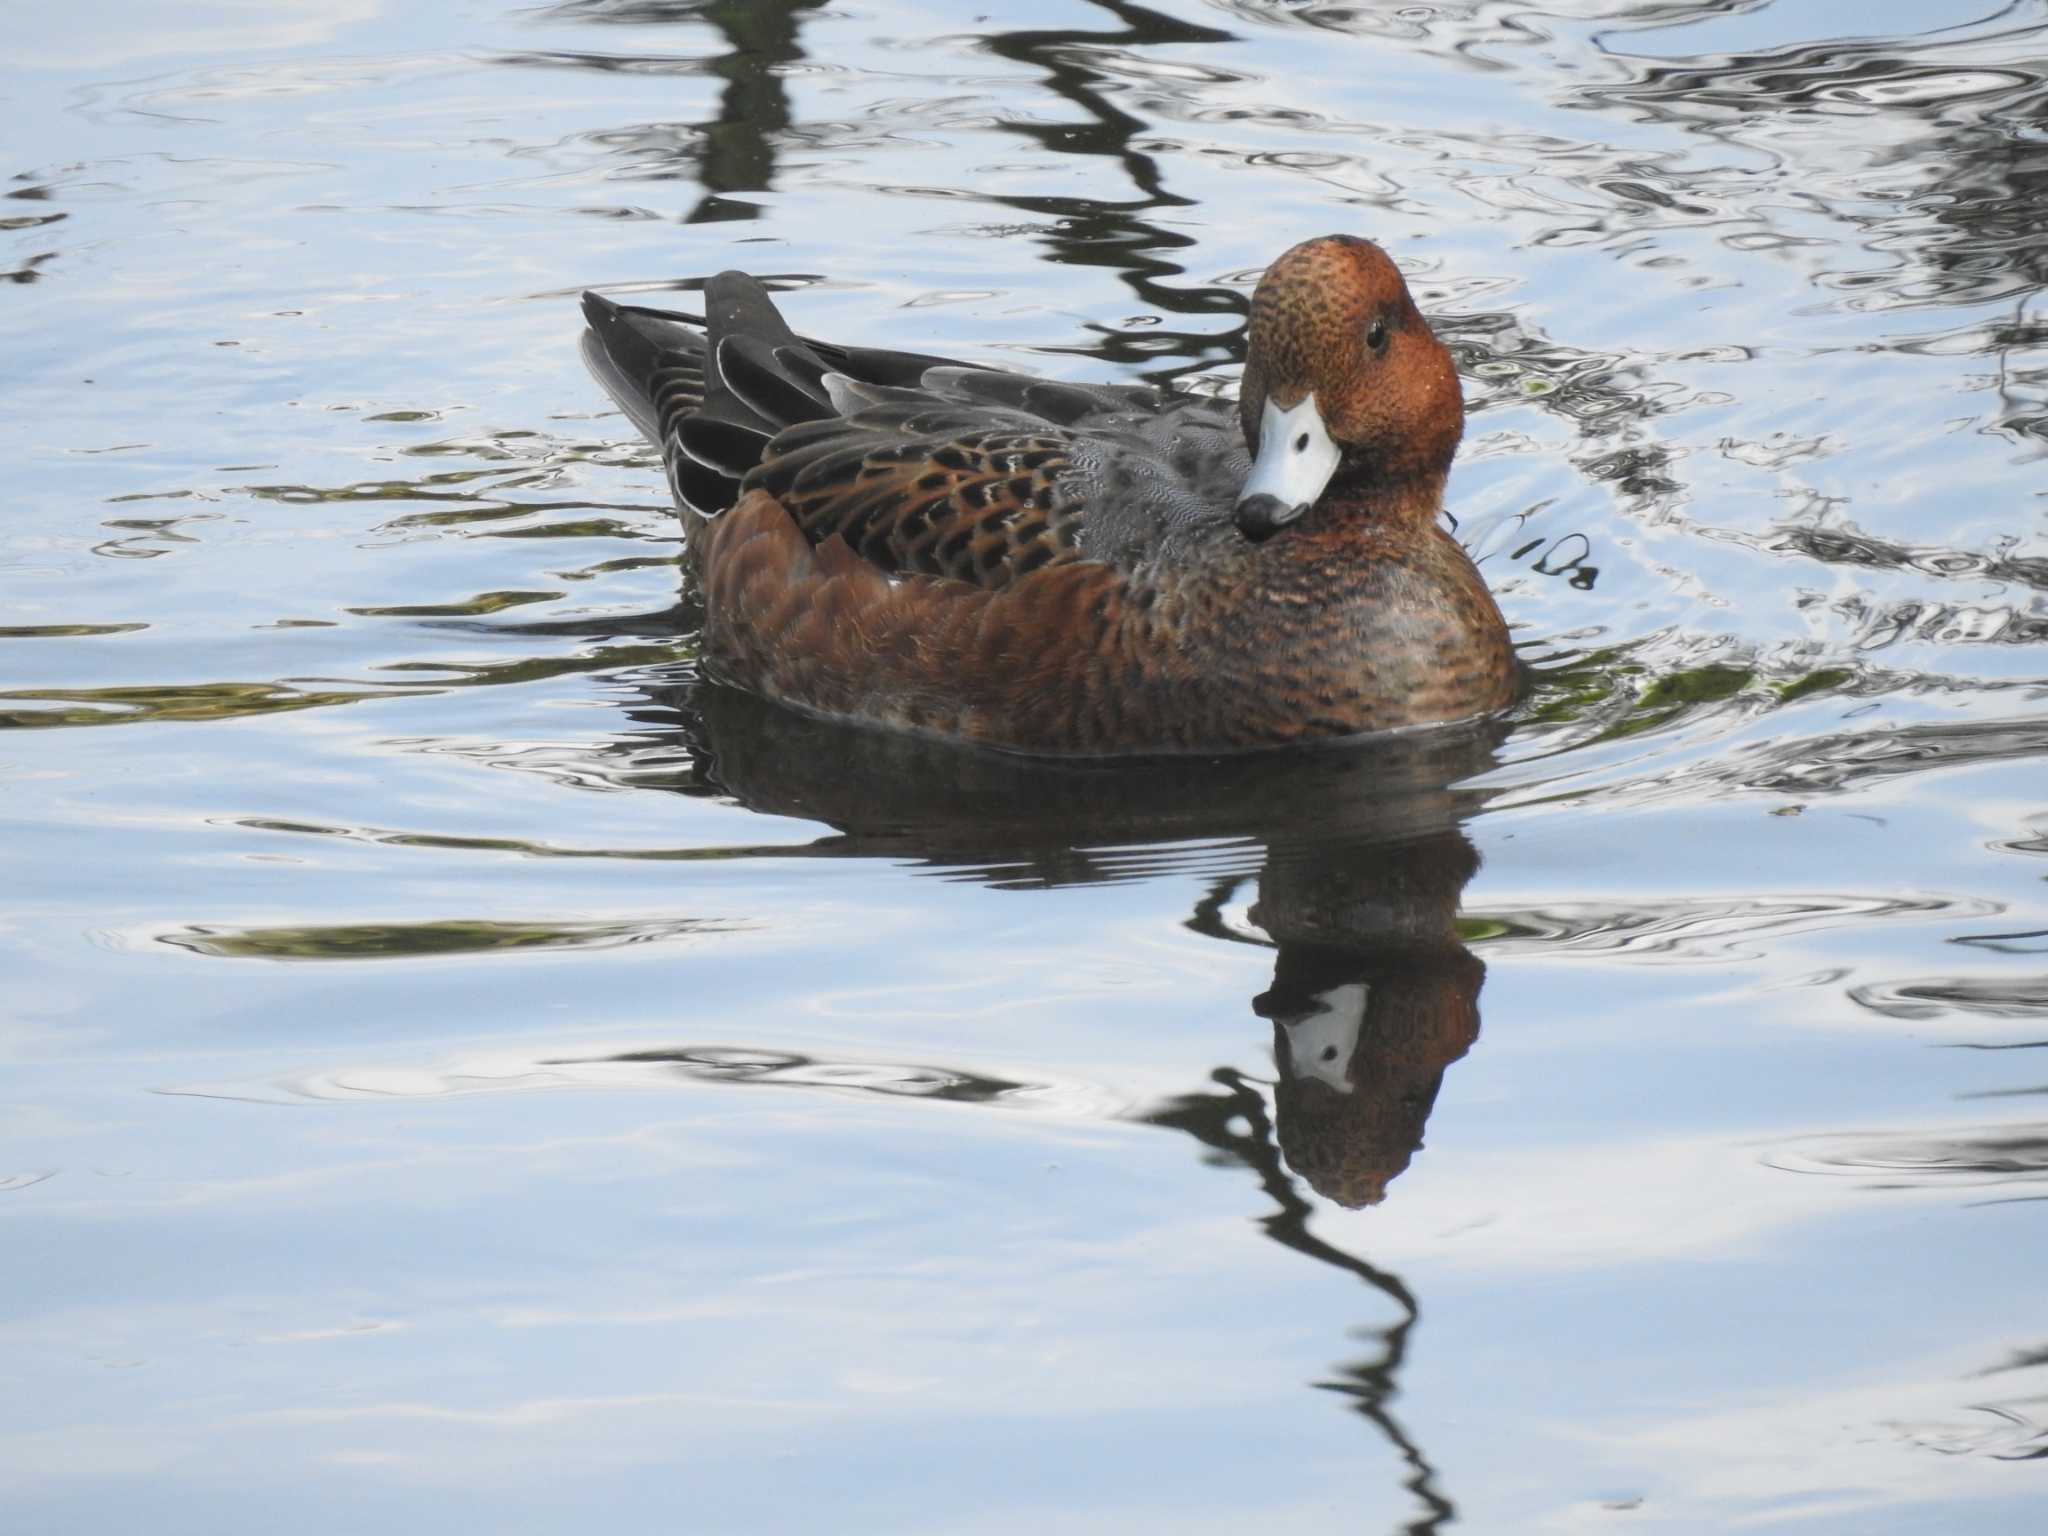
[1069, 658]
[922, 465]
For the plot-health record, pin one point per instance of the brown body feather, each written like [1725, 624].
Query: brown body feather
[984, 507]
[1081, 657]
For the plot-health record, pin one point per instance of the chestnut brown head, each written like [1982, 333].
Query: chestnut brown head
[1346, 389]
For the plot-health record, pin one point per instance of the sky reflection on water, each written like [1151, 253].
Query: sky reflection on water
[1647, 1130]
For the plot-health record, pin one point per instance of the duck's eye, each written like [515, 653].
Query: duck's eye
[1301, 443]
[1376, 335]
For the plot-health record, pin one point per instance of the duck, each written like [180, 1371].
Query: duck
[1062, 569]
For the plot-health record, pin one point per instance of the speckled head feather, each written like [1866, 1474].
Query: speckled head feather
[1333, 317]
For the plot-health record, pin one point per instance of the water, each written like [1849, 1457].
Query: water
[461, 1070]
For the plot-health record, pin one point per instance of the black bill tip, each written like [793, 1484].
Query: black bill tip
[1259, 517]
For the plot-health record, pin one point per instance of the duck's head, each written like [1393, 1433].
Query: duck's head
[1346, 391]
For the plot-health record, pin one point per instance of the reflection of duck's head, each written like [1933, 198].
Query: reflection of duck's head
[1373, 996]
[1361, 1060]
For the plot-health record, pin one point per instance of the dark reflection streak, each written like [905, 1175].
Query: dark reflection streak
[737, 153]
[2025, 941]
[2026, 1360]
[267, 1101]
[1207, 918]
[787, 1069]
[1657, 18]
[1033, 872]
[1843, 545]
[680, 618]
[1372, 1384]
[1094, 233]
[2019, 418]
[1986, 1045]
[733, 152]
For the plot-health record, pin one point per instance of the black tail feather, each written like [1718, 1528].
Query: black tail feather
[713, 390]
[758, 374]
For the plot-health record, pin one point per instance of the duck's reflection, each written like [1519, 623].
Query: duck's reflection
[1373, 996]
[1353, 861]
[1353, 856]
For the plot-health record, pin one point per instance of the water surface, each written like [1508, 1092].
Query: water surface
[462, 1068]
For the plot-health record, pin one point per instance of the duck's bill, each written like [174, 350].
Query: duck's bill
[1295, 461]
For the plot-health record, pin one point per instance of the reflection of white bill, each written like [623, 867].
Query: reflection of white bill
[1319, 1044]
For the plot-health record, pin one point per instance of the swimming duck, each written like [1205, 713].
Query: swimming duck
[1073, 569]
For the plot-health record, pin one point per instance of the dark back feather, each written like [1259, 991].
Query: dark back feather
[922, 464]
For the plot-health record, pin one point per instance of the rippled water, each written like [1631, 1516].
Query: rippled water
[462, 1071]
